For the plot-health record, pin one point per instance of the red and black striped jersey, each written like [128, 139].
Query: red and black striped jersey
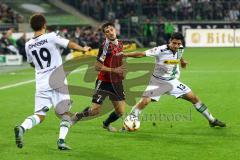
[109, 56]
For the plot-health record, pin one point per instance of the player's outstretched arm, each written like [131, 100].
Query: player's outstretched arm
[75, 46]
[135, 55]
[100, 67]
[183, 63]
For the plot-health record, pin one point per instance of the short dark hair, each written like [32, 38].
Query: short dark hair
[178, 36]
[105, 25]
[37, 21]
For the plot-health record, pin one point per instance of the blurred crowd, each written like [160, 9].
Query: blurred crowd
[85, 35]
[152, 18]
[171, 9]
[10, 45]
[8, 15]
[159, 33]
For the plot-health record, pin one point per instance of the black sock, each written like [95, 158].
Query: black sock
[84, 113]
[112, 117]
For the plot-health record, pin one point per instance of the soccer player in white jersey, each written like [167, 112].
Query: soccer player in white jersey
[43, 53]
[165, 76]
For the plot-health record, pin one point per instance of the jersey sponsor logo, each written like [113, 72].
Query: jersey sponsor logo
[37, 44]
[171, 61]
[48, 70]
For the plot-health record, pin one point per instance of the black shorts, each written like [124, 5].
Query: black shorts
[104, 89]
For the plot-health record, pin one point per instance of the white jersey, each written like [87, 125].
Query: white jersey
[43, 51]
[167, 63]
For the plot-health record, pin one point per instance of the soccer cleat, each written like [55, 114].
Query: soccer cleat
[123, 130]
[62, 145]
[19, 136]
[109, 128]
[218, 123]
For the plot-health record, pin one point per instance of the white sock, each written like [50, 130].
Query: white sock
[64, 127]
[30, 122]
[135, 111]
[202, 108]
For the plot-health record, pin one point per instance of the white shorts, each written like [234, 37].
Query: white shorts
[158, 87]
[57, 98]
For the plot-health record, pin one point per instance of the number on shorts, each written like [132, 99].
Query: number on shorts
[99, 97]
[181, 87]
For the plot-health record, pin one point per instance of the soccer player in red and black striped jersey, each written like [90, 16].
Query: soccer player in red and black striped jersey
[109, 82]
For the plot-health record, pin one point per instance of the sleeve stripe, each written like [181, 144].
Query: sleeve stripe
[104, 53]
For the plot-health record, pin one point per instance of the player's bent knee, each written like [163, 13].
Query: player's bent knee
[120, 112]
[66, 117]
[63, 107]
[193, 98]
[145, 101]
[94, 111]
[41, 117]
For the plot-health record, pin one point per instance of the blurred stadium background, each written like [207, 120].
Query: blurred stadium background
[212, 40]
[146, 22]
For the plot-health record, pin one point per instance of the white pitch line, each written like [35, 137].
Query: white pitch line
[81, 69]
[17, 84]
[33, 80]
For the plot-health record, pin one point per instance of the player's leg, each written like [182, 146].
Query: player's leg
[87, 112]
[181, 90]
[117, 97]
[142, 103]
[65, 124]
[41, 102]
[97, 100]
[154, 90]
[119, 109]
[27, 124]
[62, 103]
[98, 97]
[203, 109]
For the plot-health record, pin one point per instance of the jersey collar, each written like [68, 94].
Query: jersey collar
[115, 42]
[37, 36]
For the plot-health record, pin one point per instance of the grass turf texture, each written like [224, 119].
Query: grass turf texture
[213, 74]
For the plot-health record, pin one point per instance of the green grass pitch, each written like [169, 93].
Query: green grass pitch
[213, 74]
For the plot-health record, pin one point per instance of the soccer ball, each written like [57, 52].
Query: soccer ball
[131, 123]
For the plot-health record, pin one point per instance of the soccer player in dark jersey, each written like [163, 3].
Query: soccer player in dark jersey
[109, 82]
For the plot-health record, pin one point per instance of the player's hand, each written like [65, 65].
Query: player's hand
[124, 55]
[86, 48]
[184, 64]
[119, 70]
[119, 54]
